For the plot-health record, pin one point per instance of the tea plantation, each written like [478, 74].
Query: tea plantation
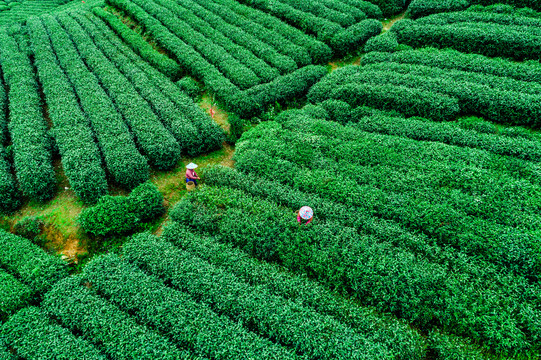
[410, 128]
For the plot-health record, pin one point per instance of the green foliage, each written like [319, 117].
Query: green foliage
[190, 87]
[74, 137]
[9, 193]
[397, 337]
[496, 98]
[112, 215]
[172, 312]
[35, 336]
[30, 263]
[485, 38]
[353, 174]
[102, 323]
[13, 295]
[384, 43]
[355, 36]
[236, 127]
[390, 7]
[124, 163]
[157, 144]
[448, 347]
[452, 59]
[420, 8]
[297, 327]
[533, 4]
[29, 227]
[195, 131]
[28, 128]
[160, 61]
[146, 202]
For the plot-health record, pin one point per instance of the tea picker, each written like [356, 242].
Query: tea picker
[191, 175]
[305, 214]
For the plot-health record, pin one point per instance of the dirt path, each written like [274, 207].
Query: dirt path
[388, 23]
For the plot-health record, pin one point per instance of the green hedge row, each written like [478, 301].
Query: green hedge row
[533, 4]
[387, 42]
[425, 130]
[81, 157]
[172, 312]
[5, 354]
[190, 87]
[401, 190]
[258, 32]
[294, 326]
[339, 30]
[253, 46]
[195, 131]
[388, 96]
[389, 7]
[142, 48]
[265, 25]
[324, 29]
[420, 8]
[28, 129]
[497, 99]
[34, 336]
[499, 7]
[455, 60]
[13, 295]
[190, 60]
[4, 134]
[202, 25]
[123, 161]
[30, 263]
[468, 17]
[114, 215]
[384, 231]
[355, 36]
[238, 73]
[481, 38]
[9, 192]
[389, 278]
[118, 335]
[395, 336]
[287, 86]
[156, 143]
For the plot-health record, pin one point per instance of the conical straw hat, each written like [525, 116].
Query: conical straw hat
[191, 166]
[306, 212]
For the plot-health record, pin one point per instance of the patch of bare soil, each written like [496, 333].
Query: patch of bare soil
[389, 23]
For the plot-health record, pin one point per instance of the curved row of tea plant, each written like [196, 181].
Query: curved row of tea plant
[420, 294]
[195, 130]
[13, 294]
[33, 335]
[142, 48]
[156, 143]
[269, 28]
[403, 342]
[81, 157]
[296, 327]
[420, 8]
[172, 312]
[9, 192]
[123, 161]
[99, 322]
[364, 119]
[29, 263]
[28, 129]
[455, 60]
[489, 39]
[499, 99]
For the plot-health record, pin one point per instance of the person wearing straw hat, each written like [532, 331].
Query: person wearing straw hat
[305, 213]
[191, 174]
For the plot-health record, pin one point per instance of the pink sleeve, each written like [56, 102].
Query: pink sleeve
[309, 221]
[299, 218]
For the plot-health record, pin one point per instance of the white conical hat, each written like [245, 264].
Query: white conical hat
[191, 166]
[306, 212]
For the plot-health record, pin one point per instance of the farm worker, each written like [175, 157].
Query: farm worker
[191, 174]
[305, 213]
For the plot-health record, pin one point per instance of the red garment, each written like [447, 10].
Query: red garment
[299, 219]
[190, 174]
